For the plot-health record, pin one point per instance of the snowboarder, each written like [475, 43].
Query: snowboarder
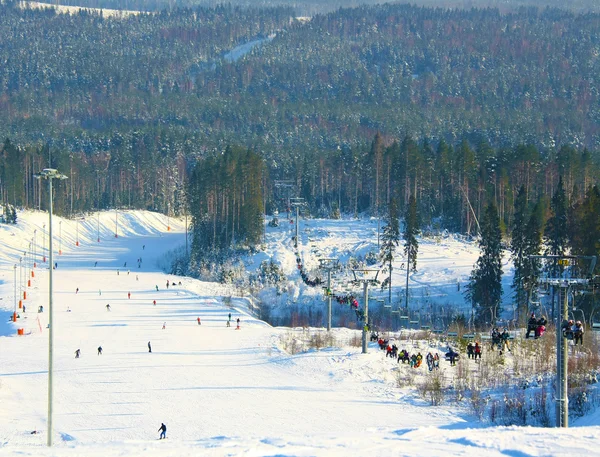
[76, 291]
[107, 307]
[156, 287]
[238, 324]
[163, 431]
[99, 350]
[167, 283]
[149, 347]
[96, 263]
[199, 323]
[229, 316]
[128, 294]
[154, 302]
[77, 353]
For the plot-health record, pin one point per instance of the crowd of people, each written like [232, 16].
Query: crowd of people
[413, 360]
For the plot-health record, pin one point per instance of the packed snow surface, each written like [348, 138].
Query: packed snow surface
[219, 390]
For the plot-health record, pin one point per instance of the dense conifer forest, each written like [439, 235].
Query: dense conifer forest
[458, 109]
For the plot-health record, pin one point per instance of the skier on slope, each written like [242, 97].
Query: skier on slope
[163, 431]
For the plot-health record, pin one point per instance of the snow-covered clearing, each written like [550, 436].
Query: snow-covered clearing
[219, 390]
[67, 9]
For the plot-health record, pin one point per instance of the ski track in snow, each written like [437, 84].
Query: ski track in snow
[219, 390]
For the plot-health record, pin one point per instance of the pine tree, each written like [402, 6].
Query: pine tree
[586, 224]
[389, 241]
[532, 246]
[411, 245]
[484, 290]
[556, 233]
[517, 248]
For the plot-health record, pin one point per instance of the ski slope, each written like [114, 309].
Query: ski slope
[220, 391]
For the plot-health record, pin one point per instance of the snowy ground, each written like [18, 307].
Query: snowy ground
[436, 289]
[219, 390]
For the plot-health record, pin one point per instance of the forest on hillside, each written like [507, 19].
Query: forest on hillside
[312, 7]
[333, 82]
[459, 109]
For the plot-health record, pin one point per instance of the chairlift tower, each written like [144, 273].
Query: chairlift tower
[287, 185]
[567, 276]
[365, 277]
[297, 202]
[328, 265]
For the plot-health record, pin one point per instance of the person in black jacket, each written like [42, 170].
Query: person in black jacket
[531, 325]
[163, 431]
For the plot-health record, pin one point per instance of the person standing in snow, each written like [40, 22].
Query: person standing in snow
[149, 347]
[128, 294]
[99, 350]
[199, 323]
[77, 353]
[76, 291]
[163, 431]
[108, 307]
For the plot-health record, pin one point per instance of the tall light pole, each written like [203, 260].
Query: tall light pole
[98, 204]
[34, 248]
[24, 275]
[15, 286]
[59, 240]
[20, 278]
[168, 221]
[365, 277]
[44, 244]
[77, 234]
[50, 174]
[116, 223]
[328, 265]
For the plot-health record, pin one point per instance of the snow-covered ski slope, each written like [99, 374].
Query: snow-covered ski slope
[219, 390]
